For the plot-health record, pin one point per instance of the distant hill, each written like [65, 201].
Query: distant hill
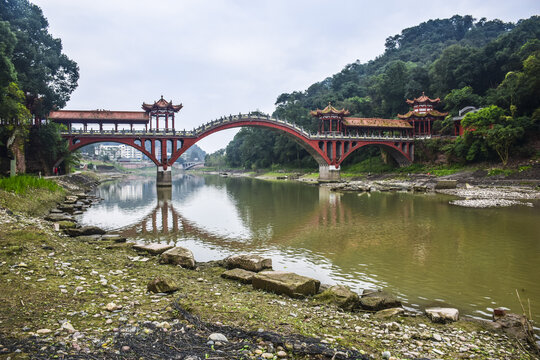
[460, 60]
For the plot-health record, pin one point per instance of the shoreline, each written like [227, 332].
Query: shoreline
[101, 271]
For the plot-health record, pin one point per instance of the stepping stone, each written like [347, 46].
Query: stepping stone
[154, 249]
[281, 282]
[244, 276]
[248, 262]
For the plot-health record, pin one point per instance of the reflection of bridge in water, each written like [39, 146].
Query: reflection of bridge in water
[165, 223]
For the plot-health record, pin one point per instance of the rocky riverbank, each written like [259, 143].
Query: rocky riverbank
[72, 292]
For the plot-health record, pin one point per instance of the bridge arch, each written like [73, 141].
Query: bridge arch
[400, 152]
[295, 133]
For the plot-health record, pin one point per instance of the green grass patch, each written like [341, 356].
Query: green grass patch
[22, 183]
[495, 172]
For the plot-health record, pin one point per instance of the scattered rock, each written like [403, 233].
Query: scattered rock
[154, 249]
[114, 237]
[179, 256]
[43, 331]
[378, 300]
[85, 230]
[513, 325]
[248, 262]
[281, 354]
[68, 327]
[112, 307]
[244, 276]
[388, 313]
[55, 217]
[217, 337]
[281, 282]
[446, 184]
[342, 296]
[162, 284]
[67, 224]
[442, 315]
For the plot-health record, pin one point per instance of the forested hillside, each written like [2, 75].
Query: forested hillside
[460, 60]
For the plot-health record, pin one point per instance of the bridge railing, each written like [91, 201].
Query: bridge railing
[240, 118]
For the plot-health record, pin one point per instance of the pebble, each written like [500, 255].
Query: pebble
[267, 356]
[281, 354]
[437, 337]
[386, 355]
[218, 337]
[43, 331]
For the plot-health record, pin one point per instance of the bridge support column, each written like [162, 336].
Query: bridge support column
[329, 173]
[164, 177]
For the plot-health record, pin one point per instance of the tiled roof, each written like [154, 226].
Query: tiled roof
[376, 122]
[161, 104]
[329, 110]
[97, 115]
[423, 99]
[433, 113]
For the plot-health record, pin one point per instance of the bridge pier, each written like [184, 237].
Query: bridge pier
[329, 173]
[164, 176]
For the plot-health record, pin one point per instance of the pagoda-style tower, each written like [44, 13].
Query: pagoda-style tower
[422, 116]
[330, 119]
[161, 109]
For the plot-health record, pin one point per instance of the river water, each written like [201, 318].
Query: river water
[418, 247]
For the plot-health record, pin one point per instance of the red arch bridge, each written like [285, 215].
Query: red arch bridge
[329, 150]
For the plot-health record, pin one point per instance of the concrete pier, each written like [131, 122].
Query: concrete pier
[164, 176]
[329, 173]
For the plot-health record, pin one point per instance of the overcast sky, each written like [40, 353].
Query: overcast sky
[218, 57]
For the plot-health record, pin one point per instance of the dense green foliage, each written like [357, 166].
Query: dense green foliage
[462, 61]
[22, 183]
[35, 77]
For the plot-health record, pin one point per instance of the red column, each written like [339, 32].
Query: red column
[164, 154]
[166, 121]
[173, 121]
[100, 127]
[116, 127]
[334, 152]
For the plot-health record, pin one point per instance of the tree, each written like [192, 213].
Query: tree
[457, 99]
[45, 74]
[500, 132]
[15, 116]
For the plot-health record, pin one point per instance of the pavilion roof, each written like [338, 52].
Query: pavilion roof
[423, 99]
[78, 116]
[329, 110]
[162, 104]
[376, 122]
[433, 113]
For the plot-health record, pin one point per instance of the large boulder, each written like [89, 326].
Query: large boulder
[154, 249]
[85, 230]
[515, 325]
[248, 262]
[179, 256]
[281, 282]
[162, 284]
[244, 276]
[375, 300]
[442, 315]
[341, 295]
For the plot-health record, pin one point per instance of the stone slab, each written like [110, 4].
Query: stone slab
[281, 282]
[179, 256]
[244, 276]
[154, 249]
[248, 262]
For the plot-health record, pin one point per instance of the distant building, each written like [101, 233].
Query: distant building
[334, 121]
[458, 129]
[422, 116]
[115, 152]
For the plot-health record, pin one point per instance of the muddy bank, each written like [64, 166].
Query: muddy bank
[86, 297]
